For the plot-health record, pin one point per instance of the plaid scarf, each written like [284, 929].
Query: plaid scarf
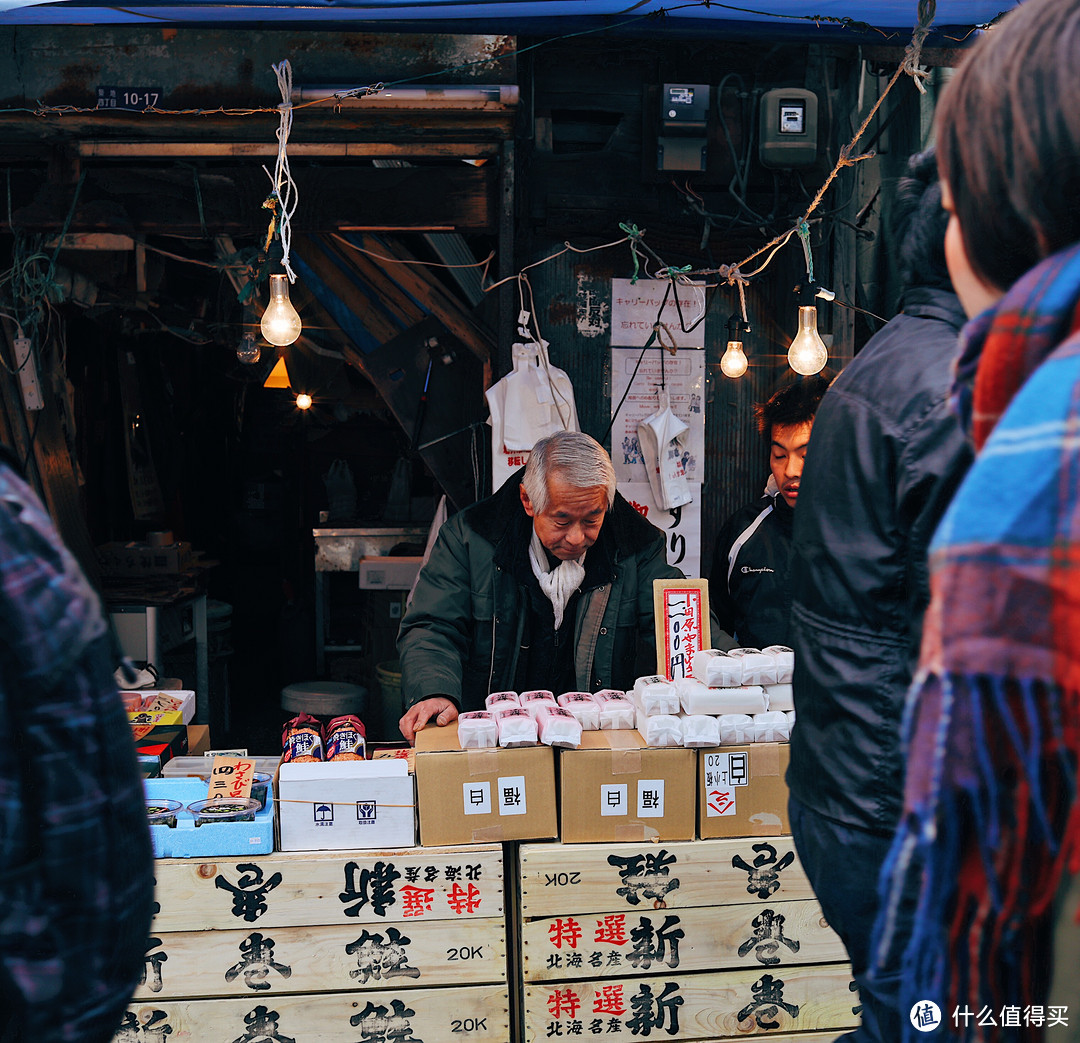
[992, 724]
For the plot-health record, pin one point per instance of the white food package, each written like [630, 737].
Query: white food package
[535, 701]
[558, 727]
[757, 667]
[584, 708]
[700, 730]
[736, 729]
[500, 700]
[517, 727]
[663, 729]
[477, 730]
[785, 662]
[697, 698]
[616, 709]
[791, 717]
[716, 668]
[781, 697]
[772, 726]
[655, 695]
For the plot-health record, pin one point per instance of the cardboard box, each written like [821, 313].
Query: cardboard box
[388, 573]
[742, 790]
[158, 746]
[483, 796]
[135, 559]
[615, 788]
[198, 739]
[346, 805]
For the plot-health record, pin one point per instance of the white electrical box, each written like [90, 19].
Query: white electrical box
[788, 128]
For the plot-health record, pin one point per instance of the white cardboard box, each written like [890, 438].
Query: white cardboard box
[346, 805]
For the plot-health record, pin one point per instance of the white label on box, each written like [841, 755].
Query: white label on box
[613, 799]
[650, 798]
[724, 774]
[477, 798]
[512, 795]
[367, 812]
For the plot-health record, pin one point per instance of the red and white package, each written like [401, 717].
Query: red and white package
[558, 727]
[584, 708]
[616, 710]
[477, 730]
[517, 727]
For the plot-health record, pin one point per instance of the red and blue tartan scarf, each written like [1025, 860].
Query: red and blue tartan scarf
[991, 816]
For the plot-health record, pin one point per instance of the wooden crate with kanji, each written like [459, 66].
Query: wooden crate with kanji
[707, 1006]
[577, 946]
[325, 888]
[557, 879]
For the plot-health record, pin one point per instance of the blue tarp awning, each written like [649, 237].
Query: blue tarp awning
[880, 20]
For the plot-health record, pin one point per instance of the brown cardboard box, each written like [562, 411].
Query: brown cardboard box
[615, 788]
[198, 738]
[742, 790]
[482, 796]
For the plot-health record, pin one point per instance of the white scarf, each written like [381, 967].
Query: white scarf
[557, 583]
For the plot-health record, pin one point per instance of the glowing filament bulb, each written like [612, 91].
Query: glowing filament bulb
[807, 354]
[280, 322]
[303, 400]
[733, 363]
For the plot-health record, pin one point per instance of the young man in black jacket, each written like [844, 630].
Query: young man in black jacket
[749, 585]
[886, 456]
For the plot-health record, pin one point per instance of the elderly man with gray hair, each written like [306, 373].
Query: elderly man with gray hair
[546, 584]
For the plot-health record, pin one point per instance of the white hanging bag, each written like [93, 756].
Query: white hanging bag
[660, 436]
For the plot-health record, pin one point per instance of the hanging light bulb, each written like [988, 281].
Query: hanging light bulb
[807, 354]
[303, 400]
[247, 350]
[733, 363]
[280, 322]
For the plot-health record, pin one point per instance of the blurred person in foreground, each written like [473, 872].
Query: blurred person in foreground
[547, 584]
[76, 866]
[886, 456]
[991, 818]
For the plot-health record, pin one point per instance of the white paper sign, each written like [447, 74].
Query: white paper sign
[635, 307]
[476, 798]
[681, 527]
[723, 774]
[684, 380]
[512, 795]
[650, 798]
[613, 800]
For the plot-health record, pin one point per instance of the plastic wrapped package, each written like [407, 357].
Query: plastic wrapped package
[780, 696]
[662, 729]
[785, 662]
[558, 727]
[736, 729]
[616, 709]
[757, 666]
[716, 668]
[791, 717]
[700, 730]
[477, 730]
[697, 698]
[772, 726]
[517, 727]
[533, 702]
[584, 707]
[500, 700]
[655, 695]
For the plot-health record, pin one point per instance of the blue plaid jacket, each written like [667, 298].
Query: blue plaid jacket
[76, 866]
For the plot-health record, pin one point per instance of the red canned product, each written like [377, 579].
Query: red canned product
[302, 740]
[345, 739]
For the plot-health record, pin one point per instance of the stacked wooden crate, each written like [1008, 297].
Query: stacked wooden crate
[327, 947]
[702, 940]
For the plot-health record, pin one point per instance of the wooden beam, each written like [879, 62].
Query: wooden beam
[299, 149]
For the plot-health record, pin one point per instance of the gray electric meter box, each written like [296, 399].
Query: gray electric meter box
[684, 121]
[788, 121]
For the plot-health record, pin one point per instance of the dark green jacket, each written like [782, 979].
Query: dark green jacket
[463, 630]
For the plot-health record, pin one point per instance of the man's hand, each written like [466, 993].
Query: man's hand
[442, 709]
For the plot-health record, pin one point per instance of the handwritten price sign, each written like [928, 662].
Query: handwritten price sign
[231, 778]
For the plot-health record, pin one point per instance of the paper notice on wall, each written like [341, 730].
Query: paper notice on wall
[681, 526]
[636, 307]
[684, 381]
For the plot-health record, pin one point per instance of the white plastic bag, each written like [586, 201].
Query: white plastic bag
[660, 436]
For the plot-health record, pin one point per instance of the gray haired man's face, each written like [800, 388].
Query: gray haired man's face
[570, 523]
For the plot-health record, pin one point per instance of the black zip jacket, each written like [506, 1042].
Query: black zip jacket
[885, 457]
